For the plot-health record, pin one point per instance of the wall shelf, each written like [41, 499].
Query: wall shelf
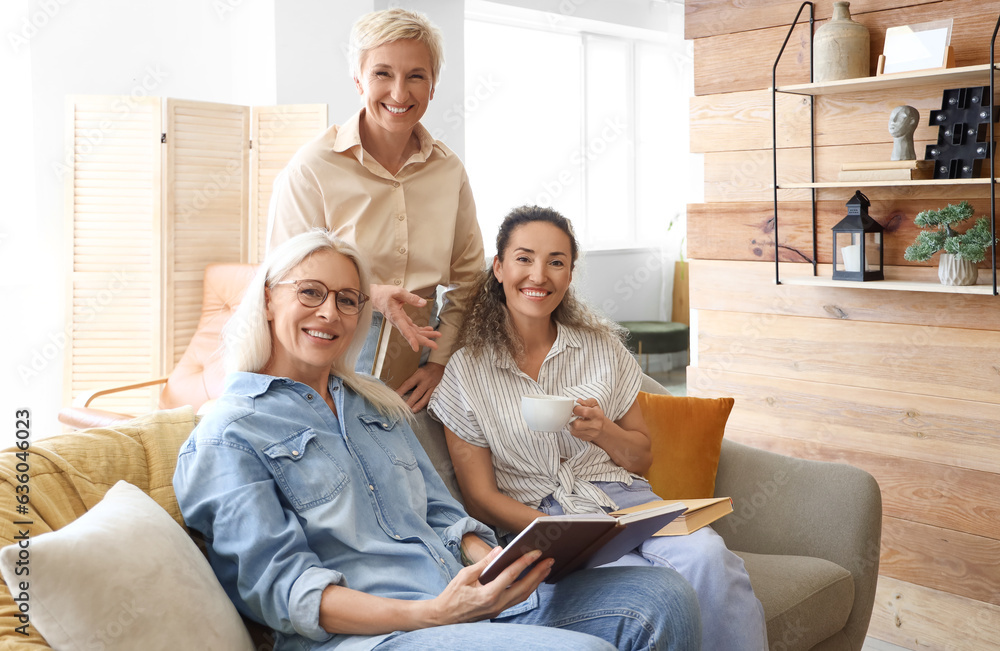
[890, 285]
[978, 75]
[883, 184]
[967, 75]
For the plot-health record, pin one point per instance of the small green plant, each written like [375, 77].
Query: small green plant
[970, 245]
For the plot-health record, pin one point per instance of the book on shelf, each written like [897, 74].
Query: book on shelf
[699, 513]
[579, 542]
[894, 170]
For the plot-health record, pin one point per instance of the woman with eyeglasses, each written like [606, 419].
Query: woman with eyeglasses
[326, 521]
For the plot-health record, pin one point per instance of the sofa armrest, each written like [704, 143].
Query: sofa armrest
[785, 505]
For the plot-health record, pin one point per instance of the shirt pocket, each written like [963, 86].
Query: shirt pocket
[390, 438]
[306, 472]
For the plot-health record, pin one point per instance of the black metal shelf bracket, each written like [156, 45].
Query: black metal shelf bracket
[774, 135]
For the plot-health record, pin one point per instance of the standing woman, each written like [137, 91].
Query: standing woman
[326, 521]
[381, 182]
[527, 334]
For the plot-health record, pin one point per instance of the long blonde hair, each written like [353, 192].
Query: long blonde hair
[488, 328]
[247, 335]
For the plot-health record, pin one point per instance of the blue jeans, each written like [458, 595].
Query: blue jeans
[601, 609]
[733, 618]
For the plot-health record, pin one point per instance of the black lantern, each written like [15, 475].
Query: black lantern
[857, 243]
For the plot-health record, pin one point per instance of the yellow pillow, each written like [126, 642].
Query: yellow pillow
[687, 440]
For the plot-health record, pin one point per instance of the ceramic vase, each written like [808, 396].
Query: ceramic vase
[841, 47]
[953, 270]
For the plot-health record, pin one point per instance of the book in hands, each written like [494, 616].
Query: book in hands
[579, 542]
[700, 513]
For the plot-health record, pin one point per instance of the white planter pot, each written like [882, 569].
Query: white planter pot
[952, 270]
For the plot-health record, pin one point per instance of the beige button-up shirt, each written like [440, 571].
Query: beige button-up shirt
[418, 229]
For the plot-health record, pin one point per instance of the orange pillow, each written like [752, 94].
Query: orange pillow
[687, 440]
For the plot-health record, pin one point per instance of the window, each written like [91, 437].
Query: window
[593, 124]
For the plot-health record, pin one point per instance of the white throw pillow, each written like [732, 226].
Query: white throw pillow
[125, 576]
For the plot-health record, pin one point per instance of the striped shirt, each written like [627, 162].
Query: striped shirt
[479, 399]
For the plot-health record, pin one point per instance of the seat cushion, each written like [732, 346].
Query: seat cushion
[806, 600]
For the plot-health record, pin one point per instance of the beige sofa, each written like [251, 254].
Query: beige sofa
[809, 532]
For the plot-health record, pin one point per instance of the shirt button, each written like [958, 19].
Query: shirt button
[397, 282]
[402, 249]
[335, 388]
[395, 184]
[397, 536]
[295, 453]
[370, 487]
[309, 396]
[402, 217]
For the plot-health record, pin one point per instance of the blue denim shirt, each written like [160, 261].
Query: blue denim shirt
[291, 499]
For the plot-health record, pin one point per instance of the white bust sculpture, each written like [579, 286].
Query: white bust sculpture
[902, 123]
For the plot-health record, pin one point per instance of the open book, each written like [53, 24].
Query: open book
[700, 513]
[582, 541]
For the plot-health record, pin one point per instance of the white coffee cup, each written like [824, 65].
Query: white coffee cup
[545, 413]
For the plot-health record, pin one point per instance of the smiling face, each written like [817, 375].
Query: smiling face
[396, 84]
[305, 341]
[535, 272]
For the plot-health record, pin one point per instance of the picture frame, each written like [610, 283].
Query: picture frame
[916, 47]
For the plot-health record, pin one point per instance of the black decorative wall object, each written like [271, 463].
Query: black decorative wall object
[963, 132]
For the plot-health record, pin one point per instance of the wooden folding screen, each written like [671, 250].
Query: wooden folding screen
[156, 190]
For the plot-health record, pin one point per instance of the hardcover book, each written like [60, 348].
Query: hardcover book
[583, 541]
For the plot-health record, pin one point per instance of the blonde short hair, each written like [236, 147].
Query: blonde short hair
[380, 27]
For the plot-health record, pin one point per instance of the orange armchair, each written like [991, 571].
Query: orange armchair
[199, 375]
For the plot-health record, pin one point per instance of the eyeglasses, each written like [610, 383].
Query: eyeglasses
[313, 293]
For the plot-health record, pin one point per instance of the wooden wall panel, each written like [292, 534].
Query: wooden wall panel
[717, 71]
[748, 175]
[957, 433]
[904, 384]
[745, 231]
[749, 288]
[919, 491]
[883, 356]
[710, 17]
[942, 559]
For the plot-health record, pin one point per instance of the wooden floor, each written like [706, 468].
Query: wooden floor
[871, 644]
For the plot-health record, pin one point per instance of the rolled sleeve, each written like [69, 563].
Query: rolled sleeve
[452, 536]
[305, 598]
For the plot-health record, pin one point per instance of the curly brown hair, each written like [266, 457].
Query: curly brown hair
[488, 328]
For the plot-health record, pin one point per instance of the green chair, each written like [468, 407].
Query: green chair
[656, 337]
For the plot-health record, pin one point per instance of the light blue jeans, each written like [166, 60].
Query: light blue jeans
[602, 609]
[732, 616]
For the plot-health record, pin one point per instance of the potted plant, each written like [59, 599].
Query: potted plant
[961, 251]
